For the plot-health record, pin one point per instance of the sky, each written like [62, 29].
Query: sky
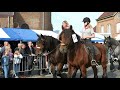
[74, 19]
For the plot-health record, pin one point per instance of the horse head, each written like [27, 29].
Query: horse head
[109, 42]
[68, 38]
[40, 44]
[47, 43]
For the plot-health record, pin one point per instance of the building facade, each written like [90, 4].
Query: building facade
[109, 22]
[31, 20]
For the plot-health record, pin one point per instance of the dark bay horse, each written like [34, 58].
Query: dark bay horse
[55, 57]
[78, 56]
[114, 47]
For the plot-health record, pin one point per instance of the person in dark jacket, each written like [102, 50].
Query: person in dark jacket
[18, 48]
[23, 50]
[31, 52]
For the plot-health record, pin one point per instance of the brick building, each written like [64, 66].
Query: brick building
[109, 22]
[33, 20]
[6, 19]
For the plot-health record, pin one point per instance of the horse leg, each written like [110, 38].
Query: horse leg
[69, 75]
[104, 66]
[119, 62]
[83, 71]
[53, 71]
[74, 72]
[59, 70]
[80, 74]
[95, 71]
[112, 67]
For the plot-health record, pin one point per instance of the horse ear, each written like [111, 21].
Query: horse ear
[104, 37]
[42, 36]
[109, 36]
[71, 27]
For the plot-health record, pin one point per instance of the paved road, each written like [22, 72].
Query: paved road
[111, 74]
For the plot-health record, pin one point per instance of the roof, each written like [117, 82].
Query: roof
[106, 15]
[6, 14]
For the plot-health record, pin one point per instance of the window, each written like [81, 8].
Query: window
[102, 29]
[109, 28]
[118, 28]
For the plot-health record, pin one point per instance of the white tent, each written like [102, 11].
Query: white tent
[3, 34]
[46, 33]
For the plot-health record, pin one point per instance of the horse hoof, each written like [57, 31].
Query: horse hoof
[54, 76]
[63, 75]
[95, 76]
[104, 77]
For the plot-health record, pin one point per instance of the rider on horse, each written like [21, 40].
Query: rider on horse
[87, 34]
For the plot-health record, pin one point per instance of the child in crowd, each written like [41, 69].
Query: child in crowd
[16, 62]
[5, 63]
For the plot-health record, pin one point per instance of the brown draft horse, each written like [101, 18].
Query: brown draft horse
[79, 58]
[55, 57]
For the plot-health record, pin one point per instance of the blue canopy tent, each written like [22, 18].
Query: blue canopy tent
[23, 34]
[12, 35]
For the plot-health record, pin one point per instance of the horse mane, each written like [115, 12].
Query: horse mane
[50, 43]
[113, 41]
[69, 32]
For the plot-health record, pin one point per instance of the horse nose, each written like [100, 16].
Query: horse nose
[39, 47]
[62, 44]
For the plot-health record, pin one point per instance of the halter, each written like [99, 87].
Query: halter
[52, 50]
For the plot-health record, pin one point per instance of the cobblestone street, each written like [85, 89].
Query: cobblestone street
[111, 74]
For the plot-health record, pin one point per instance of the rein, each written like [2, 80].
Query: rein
[52, 50]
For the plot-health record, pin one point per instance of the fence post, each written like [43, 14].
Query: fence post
[40, 60]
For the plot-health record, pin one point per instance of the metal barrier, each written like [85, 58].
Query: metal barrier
[30, 63]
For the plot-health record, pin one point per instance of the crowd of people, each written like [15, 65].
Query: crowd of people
[9, 56]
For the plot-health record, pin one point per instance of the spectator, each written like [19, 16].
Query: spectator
[23, 62]
[18, 47]
[0, 47]
[31, 52]
[23, 49]
[10, 54]
[16, 62]
[0, 50]
[7, 48]
[4, 47]
[5, 63]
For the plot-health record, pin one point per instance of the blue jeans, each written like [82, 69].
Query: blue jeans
[6, 69]
[16, 69]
